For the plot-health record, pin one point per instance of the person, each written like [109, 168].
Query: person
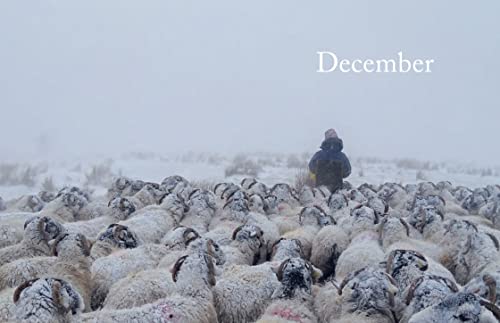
[330, 165]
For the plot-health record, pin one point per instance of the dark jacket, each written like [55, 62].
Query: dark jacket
[331, 149]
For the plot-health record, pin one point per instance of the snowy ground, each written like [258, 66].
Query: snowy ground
[97, 172]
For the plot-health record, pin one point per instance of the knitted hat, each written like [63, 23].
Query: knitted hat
[330, 133]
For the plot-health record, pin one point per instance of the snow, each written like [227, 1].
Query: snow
[211, 167]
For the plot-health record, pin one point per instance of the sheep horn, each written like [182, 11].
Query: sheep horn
[186, 233]
[177, 267]
[56, 294]
[405, 224]
[381, 230]
[377, 218]
[491, 283]
[347, 279]
[494, 239]
[491, 307]
[235, 232]
[279, 274]
[390, 259]
[413, 287]
[211, 270]
[53, 249]
[192, 193]
[20, 288]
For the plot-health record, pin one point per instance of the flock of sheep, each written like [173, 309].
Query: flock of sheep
[172, 252]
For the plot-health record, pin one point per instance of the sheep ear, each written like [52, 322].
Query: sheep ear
[235, 232]
[211, 270]
[20, 288]
[491, 283]
[316, 273]
[177, 267]
[411, 290]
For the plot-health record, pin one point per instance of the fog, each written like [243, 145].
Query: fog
[172, 76]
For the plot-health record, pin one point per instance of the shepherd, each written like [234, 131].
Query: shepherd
[330, 165]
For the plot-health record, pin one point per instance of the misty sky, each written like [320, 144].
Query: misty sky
[167, 76]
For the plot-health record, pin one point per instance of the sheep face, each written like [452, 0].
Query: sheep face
[201, 265]
[296, 276]
[257, 204]
[284, 193]
[71, 246]
[337, 201]
[180, 237]
[49, 228]
[202, 199]
[46, 196]
[121, 183]
[357, 196]
[306, 195]
[405, 265]
[33, 204]
[286, 248]
[119, 236]
[174, 184]
[121, 208]
[425, 218]
[378, 205]
[249, 234]
[392, 229]
[363, 218]
[314, 216]
[176, 204]
[47, 300]
[459, 307]
[427, 291]
[474, 202]
[369, 291]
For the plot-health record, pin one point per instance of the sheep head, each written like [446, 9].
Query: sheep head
[71, 245]
[296, 275]
[119, 236]
[47, 299]
[405, 265]
[121, 207]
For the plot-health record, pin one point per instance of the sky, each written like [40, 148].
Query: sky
[84, 77]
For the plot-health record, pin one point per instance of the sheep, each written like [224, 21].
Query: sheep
[245, 246]
[327, 246]
[192, 302]
[286, 248]
[365, 295]
[47, 300]
[202, 207]
[12, 227]
[37, 234]
[459, 307]
[486, 286]
[257, 188]
[26, 203]
[293, 299]
[66, 206]
[118, 209]
[425, 291]
[67, 248]
[285, 194]
[362, 218]
[311, 220]
[108, 270]
[183, 241]
[151, 223]
[405, 266]
[428, 221]
[115, 237]
[151, 285]
[363, 251]
[479, 253]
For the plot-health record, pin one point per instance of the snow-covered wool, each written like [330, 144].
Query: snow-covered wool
[37, 234]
